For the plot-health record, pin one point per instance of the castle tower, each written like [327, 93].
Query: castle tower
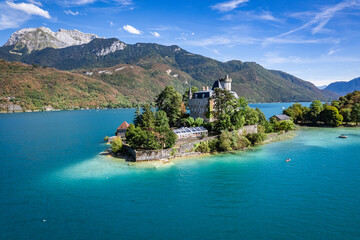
[227, 82]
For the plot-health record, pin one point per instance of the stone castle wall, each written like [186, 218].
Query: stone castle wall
[199, 107]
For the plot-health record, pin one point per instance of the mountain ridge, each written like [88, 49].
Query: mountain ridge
[42, 37]
[250, 79]
[344, 87]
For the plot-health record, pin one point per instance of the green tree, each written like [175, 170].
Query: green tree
[169, 100]
[190, 122]
[346, 113]
[149, 141]
[161, 121]
[198, 122]
[147, 118]
[237, 119]
[251, 116]
[261, 115]
[287, 125]
[226, 106]
[355, 113]
[170, 139]
[296, 112]
[225, 141]
[224, 103]
[116, 145]
[137, 118]
[330, 116]
[316, 108]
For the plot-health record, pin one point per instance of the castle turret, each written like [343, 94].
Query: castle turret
[227, 82]
[190, 93]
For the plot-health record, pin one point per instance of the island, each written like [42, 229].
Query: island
[197, 122]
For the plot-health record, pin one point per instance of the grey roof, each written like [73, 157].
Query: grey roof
[217, 84]
[282, 117]
[205, 91]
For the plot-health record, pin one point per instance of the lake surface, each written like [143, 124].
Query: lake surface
[54, 185]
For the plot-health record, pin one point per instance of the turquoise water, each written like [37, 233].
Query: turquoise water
[54, 185]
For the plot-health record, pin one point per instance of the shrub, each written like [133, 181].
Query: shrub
[203, 147]
[256, 138]
[116, 145]
[225, 141]
[106, 138]
[241, 143]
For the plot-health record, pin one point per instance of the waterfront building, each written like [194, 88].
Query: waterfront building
[281, 117]
[121, 130]
[201, 103]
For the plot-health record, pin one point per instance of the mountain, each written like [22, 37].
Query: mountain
[250, 79]
[322, 87]
[141, 84]
[343, 88]
[34, 87]
[40, 38]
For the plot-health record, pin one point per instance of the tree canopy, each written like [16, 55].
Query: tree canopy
[169, 100]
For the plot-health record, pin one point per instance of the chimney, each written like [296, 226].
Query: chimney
[207, 88]
[203, 88]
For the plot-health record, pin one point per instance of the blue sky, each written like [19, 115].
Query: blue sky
[316, 40]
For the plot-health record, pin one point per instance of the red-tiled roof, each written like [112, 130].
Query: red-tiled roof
[124, 125]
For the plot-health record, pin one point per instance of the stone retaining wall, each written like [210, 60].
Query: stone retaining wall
[250, 129]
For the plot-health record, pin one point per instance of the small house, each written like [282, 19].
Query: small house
[281, 117]
[121, 130]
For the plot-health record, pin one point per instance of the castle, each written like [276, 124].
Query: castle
[201, 103]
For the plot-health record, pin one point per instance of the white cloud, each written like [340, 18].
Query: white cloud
[267, 16]
[85, 2]
[155, 34]
[333, 50]
[69, 12]
[273, 58]
[319, 21]
[228, 6]
[223, 40]
[316, 24]
[35, 2]
[131, 29]
[29, 8]
[13, 15]
[251, 15]
[111, 23]
[297, 40]
[11, 21]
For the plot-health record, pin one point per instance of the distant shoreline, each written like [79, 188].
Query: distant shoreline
[82, 109]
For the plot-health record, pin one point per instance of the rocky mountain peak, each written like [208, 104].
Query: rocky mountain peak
[42, 37]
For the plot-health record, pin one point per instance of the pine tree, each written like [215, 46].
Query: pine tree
[137, 118]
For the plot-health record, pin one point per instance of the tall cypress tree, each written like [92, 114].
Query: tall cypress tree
[137, 118]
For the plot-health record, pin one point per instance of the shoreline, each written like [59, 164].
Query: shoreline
[274, 137]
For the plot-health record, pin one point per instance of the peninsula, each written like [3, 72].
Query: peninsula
[218, 121]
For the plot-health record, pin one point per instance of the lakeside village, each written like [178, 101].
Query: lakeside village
[218, 121]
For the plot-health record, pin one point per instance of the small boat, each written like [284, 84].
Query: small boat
[342, 136]
[288, 160]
